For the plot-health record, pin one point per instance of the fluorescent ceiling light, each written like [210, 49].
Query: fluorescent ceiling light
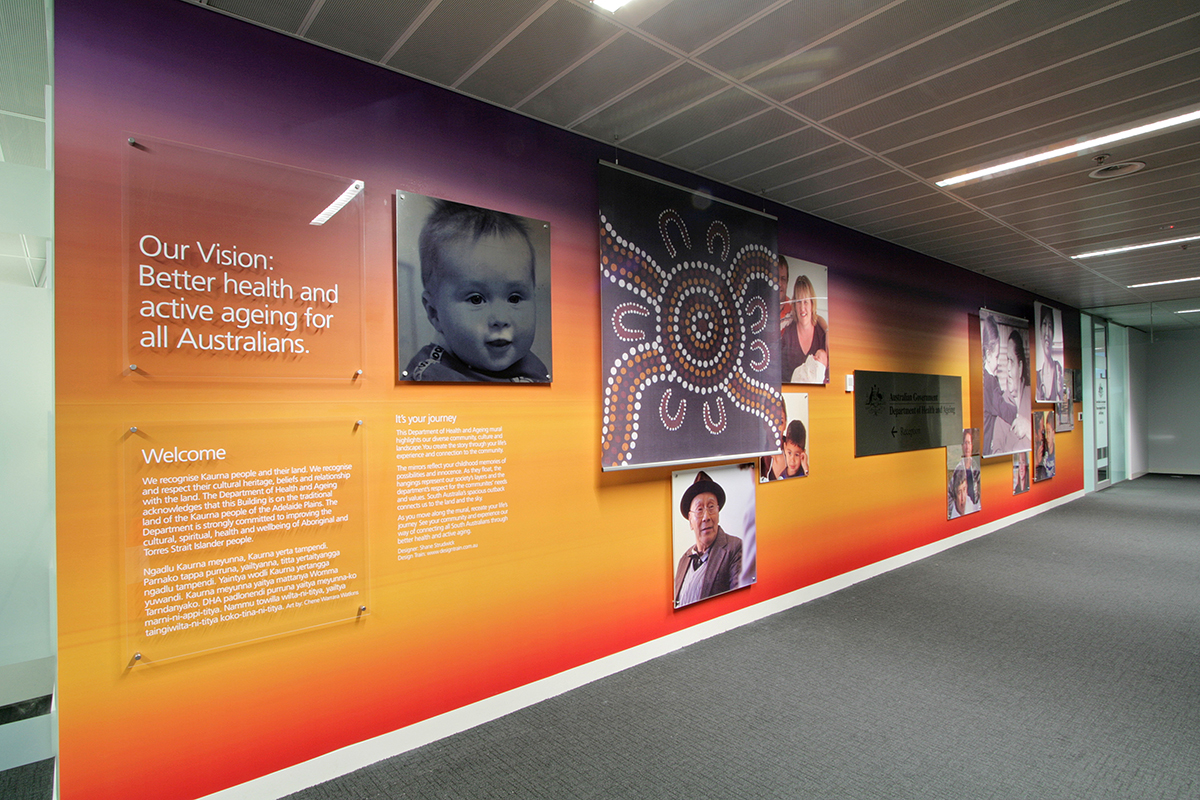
[1189, 311]
[609, 5]
[1129, 248]
[1162, 283]
[1079, 145]
[336, 205]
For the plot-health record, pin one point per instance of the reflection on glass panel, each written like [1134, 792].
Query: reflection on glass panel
[240, 531]
[230, 274]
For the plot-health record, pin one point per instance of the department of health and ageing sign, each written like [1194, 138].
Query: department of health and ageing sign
[897, 411]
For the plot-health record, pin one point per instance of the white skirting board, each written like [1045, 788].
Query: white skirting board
[355, 756]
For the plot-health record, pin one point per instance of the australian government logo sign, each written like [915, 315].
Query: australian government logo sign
[896, 411]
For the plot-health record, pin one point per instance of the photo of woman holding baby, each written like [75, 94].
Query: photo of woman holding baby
[804, 333]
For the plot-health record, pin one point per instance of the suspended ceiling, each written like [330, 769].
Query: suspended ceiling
[848, 110]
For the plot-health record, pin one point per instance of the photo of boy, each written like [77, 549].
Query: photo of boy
[966, 456]
[792, 459]
[480, 293]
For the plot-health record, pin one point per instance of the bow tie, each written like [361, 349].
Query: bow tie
[697, 559]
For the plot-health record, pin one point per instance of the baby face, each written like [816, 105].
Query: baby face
[483, 301]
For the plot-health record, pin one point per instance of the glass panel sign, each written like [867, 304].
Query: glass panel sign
[232, 270]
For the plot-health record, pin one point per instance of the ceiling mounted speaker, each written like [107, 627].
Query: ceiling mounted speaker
[1117, 170]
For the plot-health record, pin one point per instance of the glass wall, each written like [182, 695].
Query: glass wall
[1107, 447]
[1099, 399]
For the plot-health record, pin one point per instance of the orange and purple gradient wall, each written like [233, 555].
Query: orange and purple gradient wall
[585, 567]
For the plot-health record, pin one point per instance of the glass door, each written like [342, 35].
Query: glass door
[1100, 400]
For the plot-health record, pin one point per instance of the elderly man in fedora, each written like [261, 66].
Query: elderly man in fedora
[714, 563]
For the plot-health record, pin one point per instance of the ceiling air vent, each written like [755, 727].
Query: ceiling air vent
[1117, 170]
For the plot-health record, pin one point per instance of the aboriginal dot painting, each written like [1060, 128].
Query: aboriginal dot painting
[690, 357]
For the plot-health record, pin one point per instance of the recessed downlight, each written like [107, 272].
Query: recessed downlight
[1117, 170]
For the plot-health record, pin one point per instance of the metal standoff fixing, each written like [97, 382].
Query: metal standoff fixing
[133, 428]
[133, 367]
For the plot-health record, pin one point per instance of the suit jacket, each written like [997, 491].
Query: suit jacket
[724, 570]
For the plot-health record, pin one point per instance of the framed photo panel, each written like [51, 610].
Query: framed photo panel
[1020, 476]
[714, 531]
[472, 294]
[964, 493]
[804, 321]
[792, 459]
[1051, 384]
[1043, 445]
[1006, 384]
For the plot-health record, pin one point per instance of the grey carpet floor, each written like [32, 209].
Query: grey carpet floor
[28, 782]
[1058, 658]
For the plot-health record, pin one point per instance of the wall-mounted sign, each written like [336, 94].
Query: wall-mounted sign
[897, 411]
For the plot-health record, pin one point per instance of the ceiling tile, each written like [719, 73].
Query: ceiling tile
[596, 81]
[989, 56]
[812, 182]
[878, 190]
[904, 198]
[896, 26]
[364, 28]
[726, 107]
[787, 33]
[773, 154]
[686, 27]
[741, 137]
[1019, 112]
[456, 34]
[1170, 154]
[554, 41]
[900, 228]
[282, 15]
[667, 94]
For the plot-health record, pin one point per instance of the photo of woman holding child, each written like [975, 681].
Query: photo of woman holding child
[472, 293]
[1006, 385]
[804, 332]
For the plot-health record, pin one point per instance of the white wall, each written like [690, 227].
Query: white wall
[28, 633]
[27, 583]
[1173, 427]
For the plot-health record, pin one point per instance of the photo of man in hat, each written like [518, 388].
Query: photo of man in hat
[713, 561]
